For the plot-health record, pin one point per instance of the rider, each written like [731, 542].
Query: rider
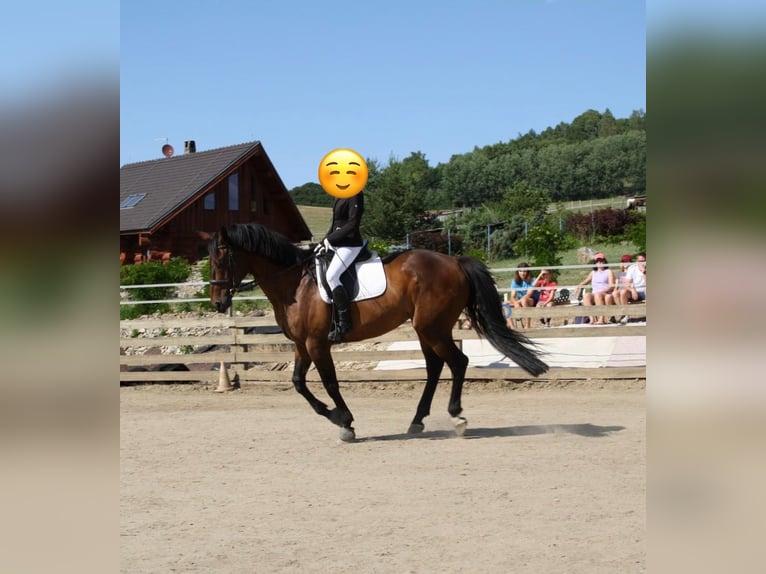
[345, 239]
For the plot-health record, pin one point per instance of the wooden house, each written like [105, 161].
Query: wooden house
[165, 202]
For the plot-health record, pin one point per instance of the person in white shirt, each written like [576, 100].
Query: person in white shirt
[635, 282]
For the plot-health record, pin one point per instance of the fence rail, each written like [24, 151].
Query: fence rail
[258, 296]
[256, 351]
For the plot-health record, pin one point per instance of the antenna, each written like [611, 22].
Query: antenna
[167, 149]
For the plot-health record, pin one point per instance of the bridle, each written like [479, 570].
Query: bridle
[228, 284]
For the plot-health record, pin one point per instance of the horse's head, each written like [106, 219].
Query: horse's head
[224, 278]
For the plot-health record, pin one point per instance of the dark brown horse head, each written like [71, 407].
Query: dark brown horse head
[223, 276]
[232, 252]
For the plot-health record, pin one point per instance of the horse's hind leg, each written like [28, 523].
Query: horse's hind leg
[446, 349]
[434, 366]
[458, 363]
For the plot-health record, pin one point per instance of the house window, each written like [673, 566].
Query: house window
[131, 200]
[234, 192]
[253, 198]
[209, 201]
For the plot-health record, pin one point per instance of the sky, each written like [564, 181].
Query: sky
[385, 79]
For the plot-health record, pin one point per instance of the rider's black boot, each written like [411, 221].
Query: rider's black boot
[343, 319]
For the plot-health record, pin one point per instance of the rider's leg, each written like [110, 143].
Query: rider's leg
[344, 256]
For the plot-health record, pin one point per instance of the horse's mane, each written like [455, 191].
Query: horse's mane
[255, 238]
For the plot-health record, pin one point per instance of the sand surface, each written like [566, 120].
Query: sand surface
[547, 478]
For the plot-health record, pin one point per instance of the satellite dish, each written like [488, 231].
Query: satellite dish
[167, 150]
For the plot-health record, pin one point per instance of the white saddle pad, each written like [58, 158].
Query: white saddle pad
[372, 280]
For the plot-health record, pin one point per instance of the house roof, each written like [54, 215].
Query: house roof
[169, 183]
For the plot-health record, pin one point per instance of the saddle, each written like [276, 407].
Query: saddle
[363, 279]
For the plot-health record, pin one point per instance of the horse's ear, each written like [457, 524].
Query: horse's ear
[223, 235]
[204, 235]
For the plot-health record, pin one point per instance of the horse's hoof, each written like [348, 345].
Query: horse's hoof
[460, 425]
[347, 435]
[416, 428]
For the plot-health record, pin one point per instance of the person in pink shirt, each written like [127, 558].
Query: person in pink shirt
[543, 293]
[602, 284]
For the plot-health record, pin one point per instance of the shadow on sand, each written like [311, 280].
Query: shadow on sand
[586, 429]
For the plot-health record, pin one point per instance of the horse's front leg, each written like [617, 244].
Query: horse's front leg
[319, 351]
[302, 364]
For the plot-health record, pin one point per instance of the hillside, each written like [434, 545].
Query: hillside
[317, 218]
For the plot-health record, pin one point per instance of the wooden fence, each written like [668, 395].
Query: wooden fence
[255, 350]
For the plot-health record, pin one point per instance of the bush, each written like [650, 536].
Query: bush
[502, 243]
[480, 254]
[543, 244]
[378, 245]
[177, 270]
[600, 224]
[437, 241]
[636, 233]
[204, 293]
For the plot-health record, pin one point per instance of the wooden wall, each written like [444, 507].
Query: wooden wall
[269, 346]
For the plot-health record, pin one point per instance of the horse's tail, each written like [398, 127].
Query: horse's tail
[486, 314]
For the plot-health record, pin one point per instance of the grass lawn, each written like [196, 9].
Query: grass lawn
[317, 218]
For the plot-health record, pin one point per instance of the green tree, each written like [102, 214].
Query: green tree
[395, 200]
[472, 179]
[636, 121]
[472, 224]
[543, 245]
[597, 155]
[636, 233]
[311, 194]
[526, 201]
[584, 127]
[502, 243]
[607, 125]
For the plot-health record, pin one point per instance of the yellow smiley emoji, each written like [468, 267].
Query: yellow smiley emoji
[343, 173]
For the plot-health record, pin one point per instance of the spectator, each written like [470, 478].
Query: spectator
[622, 276]
[635, 283]
[520, 285]
[602, 284]
[545, 293]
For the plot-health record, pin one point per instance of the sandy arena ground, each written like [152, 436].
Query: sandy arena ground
[548, 479]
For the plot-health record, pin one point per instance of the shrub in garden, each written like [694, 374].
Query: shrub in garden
[175, 271]
[602, 223]
[635, 232]
[437, 241]
[378, 245]
[543, 244]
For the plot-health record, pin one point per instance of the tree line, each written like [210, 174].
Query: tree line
[507, 186]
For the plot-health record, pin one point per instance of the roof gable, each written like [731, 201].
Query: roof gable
[169, 183]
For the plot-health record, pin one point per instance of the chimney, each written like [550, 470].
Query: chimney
[190, 146]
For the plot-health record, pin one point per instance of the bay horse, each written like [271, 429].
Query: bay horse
[429, 288]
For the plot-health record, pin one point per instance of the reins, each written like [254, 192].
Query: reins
[250, 285]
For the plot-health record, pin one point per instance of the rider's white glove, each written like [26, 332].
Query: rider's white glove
[322, 247]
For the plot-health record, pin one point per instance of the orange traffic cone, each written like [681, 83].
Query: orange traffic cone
[224, 383]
